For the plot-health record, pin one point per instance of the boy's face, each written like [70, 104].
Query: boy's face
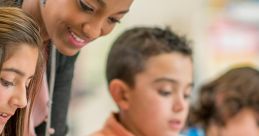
[159, 102]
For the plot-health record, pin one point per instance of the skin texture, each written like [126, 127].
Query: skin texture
[16, 74]
[85, 19]
[158, 103]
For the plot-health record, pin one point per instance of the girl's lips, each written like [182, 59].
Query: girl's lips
[4, 117]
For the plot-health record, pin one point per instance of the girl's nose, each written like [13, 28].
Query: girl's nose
[19, 98]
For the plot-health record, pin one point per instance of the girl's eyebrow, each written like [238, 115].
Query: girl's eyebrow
[14, 70]
[18, 72]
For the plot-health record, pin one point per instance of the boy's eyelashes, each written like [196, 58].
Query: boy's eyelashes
[164, 92]
[187, 96]
[187, 93]
[257, 120]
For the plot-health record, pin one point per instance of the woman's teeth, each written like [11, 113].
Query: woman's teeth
[77, 38]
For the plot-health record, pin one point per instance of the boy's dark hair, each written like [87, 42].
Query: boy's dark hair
[129, 52]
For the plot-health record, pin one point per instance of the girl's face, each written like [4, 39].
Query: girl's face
[244, 123]
[159, 102]
[15, 76]
[72, 24]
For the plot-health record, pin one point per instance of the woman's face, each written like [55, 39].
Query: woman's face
[72, 24]
[15, 76]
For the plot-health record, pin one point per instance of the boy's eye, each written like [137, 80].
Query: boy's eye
[85, 6]
[257, 119]
[6, 83]
[186, 96]
[164, 92]
[114, 20]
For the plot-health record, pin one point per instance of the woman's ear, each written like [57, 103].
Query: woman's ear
[120, 93]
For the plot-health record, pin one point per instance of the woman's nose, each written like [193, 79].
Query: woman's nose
[93, 29]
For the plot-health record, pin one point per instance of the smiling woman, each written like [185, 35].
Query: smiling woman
[66, 27]
[21, 63]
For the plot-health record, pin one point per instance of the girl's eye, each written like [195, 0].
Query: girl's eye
[164, 92]
[6, 83]
[27, 87]
[85, 6]
[114, 20]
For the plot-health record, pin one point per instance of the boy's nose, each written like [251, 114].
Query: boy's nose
[178, 104]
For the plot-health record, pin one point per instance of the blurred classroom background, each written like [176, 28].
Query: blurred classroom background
[224, 34]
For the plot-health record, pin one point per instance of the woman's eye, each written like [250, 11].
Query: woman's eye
[6, 83]
[164, 92]
[114, 20]
[85, 7]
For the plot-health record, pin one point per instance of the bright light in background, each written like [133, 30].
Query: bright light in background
[229, 36]
[246, 12]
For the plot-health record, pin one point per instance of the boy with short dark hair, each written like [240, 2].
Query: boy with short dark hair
[150, 77]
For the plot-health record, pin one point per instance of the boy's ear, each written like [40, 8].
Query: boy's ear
[120, 93]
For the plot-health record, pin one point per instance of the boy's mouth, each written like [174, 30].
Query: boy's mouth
[175, 124]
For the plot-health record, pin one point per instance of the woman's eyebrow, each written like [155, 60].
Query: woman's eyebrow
[102, 3]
